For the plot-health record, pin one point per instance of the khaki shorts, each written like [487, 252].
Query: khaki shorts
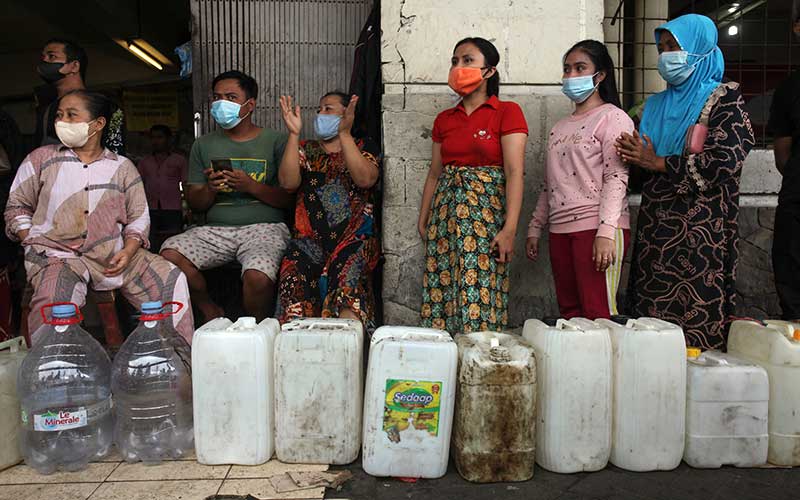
[257, 246]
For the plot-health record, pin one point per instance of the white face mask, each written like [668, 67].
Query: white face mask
[73, 135]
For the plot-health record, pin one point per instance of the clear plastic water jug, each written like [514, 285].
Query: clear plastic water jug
[64, 386]
[152, 384]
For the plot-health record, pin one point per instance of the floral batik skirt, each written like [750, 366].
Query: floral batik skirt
[464, 289]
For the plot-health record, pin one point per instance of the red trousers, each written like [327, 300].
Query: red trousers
[580, 289]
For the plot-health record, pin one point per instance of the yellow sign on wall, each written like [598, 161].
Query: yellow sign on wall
[145, 108]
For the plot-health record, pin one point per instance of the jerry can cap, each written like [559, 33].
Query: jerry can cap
[693, 352]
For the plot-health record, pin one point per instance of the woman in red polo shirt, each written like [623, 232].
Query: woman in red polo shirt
[472, 197]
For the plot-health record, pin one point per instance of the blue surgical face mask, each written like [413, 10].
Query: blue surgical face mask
[674, 66]
[327, 126]
[226, 113]
[579, 88]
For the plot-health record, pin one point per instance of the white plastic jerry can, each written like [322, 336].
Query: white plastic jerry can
[234, 374]
[495, 415]
[649, 362]
[408, 403]
[727, 403]
[775, 347]
[319, 386]
[573, 403]
[12, 352]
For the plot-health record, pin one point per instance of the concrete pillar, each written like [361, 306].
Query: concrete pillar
[649, 15]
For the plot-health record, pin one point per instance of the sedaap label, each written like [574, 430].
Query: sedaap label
[411, 403]
[60, 421]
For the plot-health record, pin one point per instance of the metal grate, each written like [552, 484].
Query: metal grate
[301, 48]
[760, 52]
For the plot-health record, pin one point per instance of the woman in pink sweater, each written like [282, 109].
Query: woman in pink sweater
[584, 193]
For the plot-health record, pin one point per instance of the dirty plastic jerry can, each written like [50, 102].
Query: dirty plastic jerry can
[649, 358]
[64, 387]
[495, 414]
[12, 352]
[775, 347]
[152, 382]
[574, 394]
[319, 386]
[727, 403]
[233, 387]
[409, 402]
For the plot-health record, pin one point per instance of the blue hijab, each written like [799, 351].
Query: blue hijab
[669, 114]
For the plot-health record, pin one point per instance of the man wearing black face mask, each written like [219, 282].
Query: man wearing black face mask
[784, 123]
[63, 68]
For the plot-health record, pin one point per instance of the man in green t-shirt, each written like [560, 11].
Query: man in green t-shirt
[233, 178]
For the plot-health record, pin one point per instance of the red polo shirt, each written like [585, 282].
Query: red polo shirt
[474, 140]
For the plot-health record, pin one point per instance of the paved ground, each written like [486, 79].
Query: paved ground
[188, 480]
[611, 483]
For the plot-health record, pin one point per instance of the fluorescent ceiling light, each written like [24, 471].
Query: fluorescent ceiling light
[144, 56]
[733, 7]
[144, 51]
[152, 51]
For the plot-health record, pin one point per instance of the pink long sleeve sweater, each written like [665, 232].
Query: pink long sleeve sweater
[585, 181]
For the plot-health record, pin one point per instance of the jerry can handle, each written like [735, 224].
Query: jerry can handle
[243, 322]
[638, 324]
[14, 345]
[430, 336]
[61, 321]
[326, 326]
[565, 324]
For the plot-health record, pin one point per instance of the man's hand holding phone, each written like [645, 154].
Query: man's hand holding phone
[216, 179]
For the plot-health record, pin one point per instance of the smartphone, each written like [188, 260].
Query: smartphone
[221, 165]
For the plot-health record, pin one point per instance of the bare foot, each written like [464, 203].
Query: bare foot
[211, 311]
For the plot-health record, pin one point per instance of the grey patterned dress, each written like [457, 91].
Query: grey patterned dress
[685, 250]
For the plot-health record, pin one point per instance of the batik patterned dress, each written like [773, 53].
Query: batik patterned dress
[334, 247]
[685, 250]
[465, 289]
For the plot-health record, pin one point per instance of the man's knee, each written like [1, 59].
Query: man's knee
[177, 258]
[257, 282]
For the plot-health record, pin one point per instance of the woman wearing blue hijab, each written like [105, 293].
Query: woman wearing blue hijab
[685, 251]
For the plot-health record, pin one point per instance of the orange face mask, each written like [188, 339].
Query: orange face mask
[465, 80]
